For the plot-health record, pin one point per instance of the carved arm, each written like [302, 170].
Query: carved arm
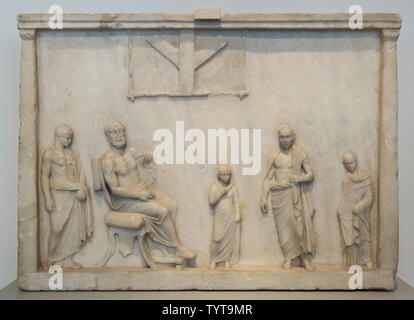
[46, 170]
[365, 202]
[308, 176]
[215, 195]
[112, 181]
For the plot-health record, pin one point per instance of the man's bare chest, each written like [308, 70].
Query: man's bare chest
[283, 161]
[124, 164]
[63, 158]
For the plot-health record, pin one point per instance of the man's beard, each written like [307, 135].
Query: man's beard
[286, 146]
[121, 144]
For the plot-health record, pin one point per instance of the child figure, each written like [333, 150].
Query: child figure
[224, 198]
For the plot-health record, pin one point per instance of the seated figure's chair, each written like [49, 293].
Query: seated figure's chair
[126, 223]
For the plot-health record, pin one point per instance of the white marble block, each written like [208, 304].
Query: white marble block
[317, 99]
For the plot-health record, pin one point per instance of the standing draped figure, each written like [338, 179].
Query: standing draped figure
[354, 213]
[224, 198]
[286, 183]
[66, 199]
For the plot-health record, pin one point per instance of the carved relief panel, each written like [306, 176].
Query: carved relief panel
[120, 82]
[186, 63]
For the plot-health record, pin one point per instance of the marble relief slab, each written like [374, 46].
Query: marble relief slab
[314, 193]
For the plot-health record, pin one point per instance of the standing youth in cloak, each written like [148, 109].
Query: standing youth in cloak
[66, 199]
[292, 206]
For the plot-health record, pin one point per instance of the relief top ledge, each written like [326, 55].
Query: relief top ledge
[122, 21]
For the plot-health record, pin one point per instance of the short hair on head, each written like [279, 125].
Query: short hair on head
[349, 154]
[60, 129]
[223, 169]
[109, 125]
[288, 127]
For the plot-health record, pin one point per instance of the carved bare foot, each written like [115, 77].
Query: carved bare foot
[213, 266]
[287, 264]
[46, 265]
[185, 253]
[369, 265]
[68, 263]
[308, 266]
[227, 265]
[76, 265]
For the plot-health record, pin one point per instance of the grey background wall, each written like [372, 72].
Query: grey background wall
[9, 93]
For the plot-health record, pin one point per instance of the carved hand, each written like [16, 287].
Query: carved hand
[356, 209]
[223, 190]
[50, 205]
[227, 189]
[146, 157]
[145, 195]
[238, 218]
[294, 179]
[81, 195]
[263, 206]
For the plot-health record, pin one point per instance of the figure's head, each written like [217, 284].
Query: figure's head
[64, 135]
[224, 173]
[287, 136]
[115, 132]
[350, 162]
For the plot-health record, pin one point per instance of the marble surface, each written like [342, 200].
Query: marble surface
[336, 87]
[402, 292]
[335, 81]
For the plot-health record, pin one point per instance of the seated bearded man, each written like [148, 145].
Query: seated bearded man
[125, 191]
